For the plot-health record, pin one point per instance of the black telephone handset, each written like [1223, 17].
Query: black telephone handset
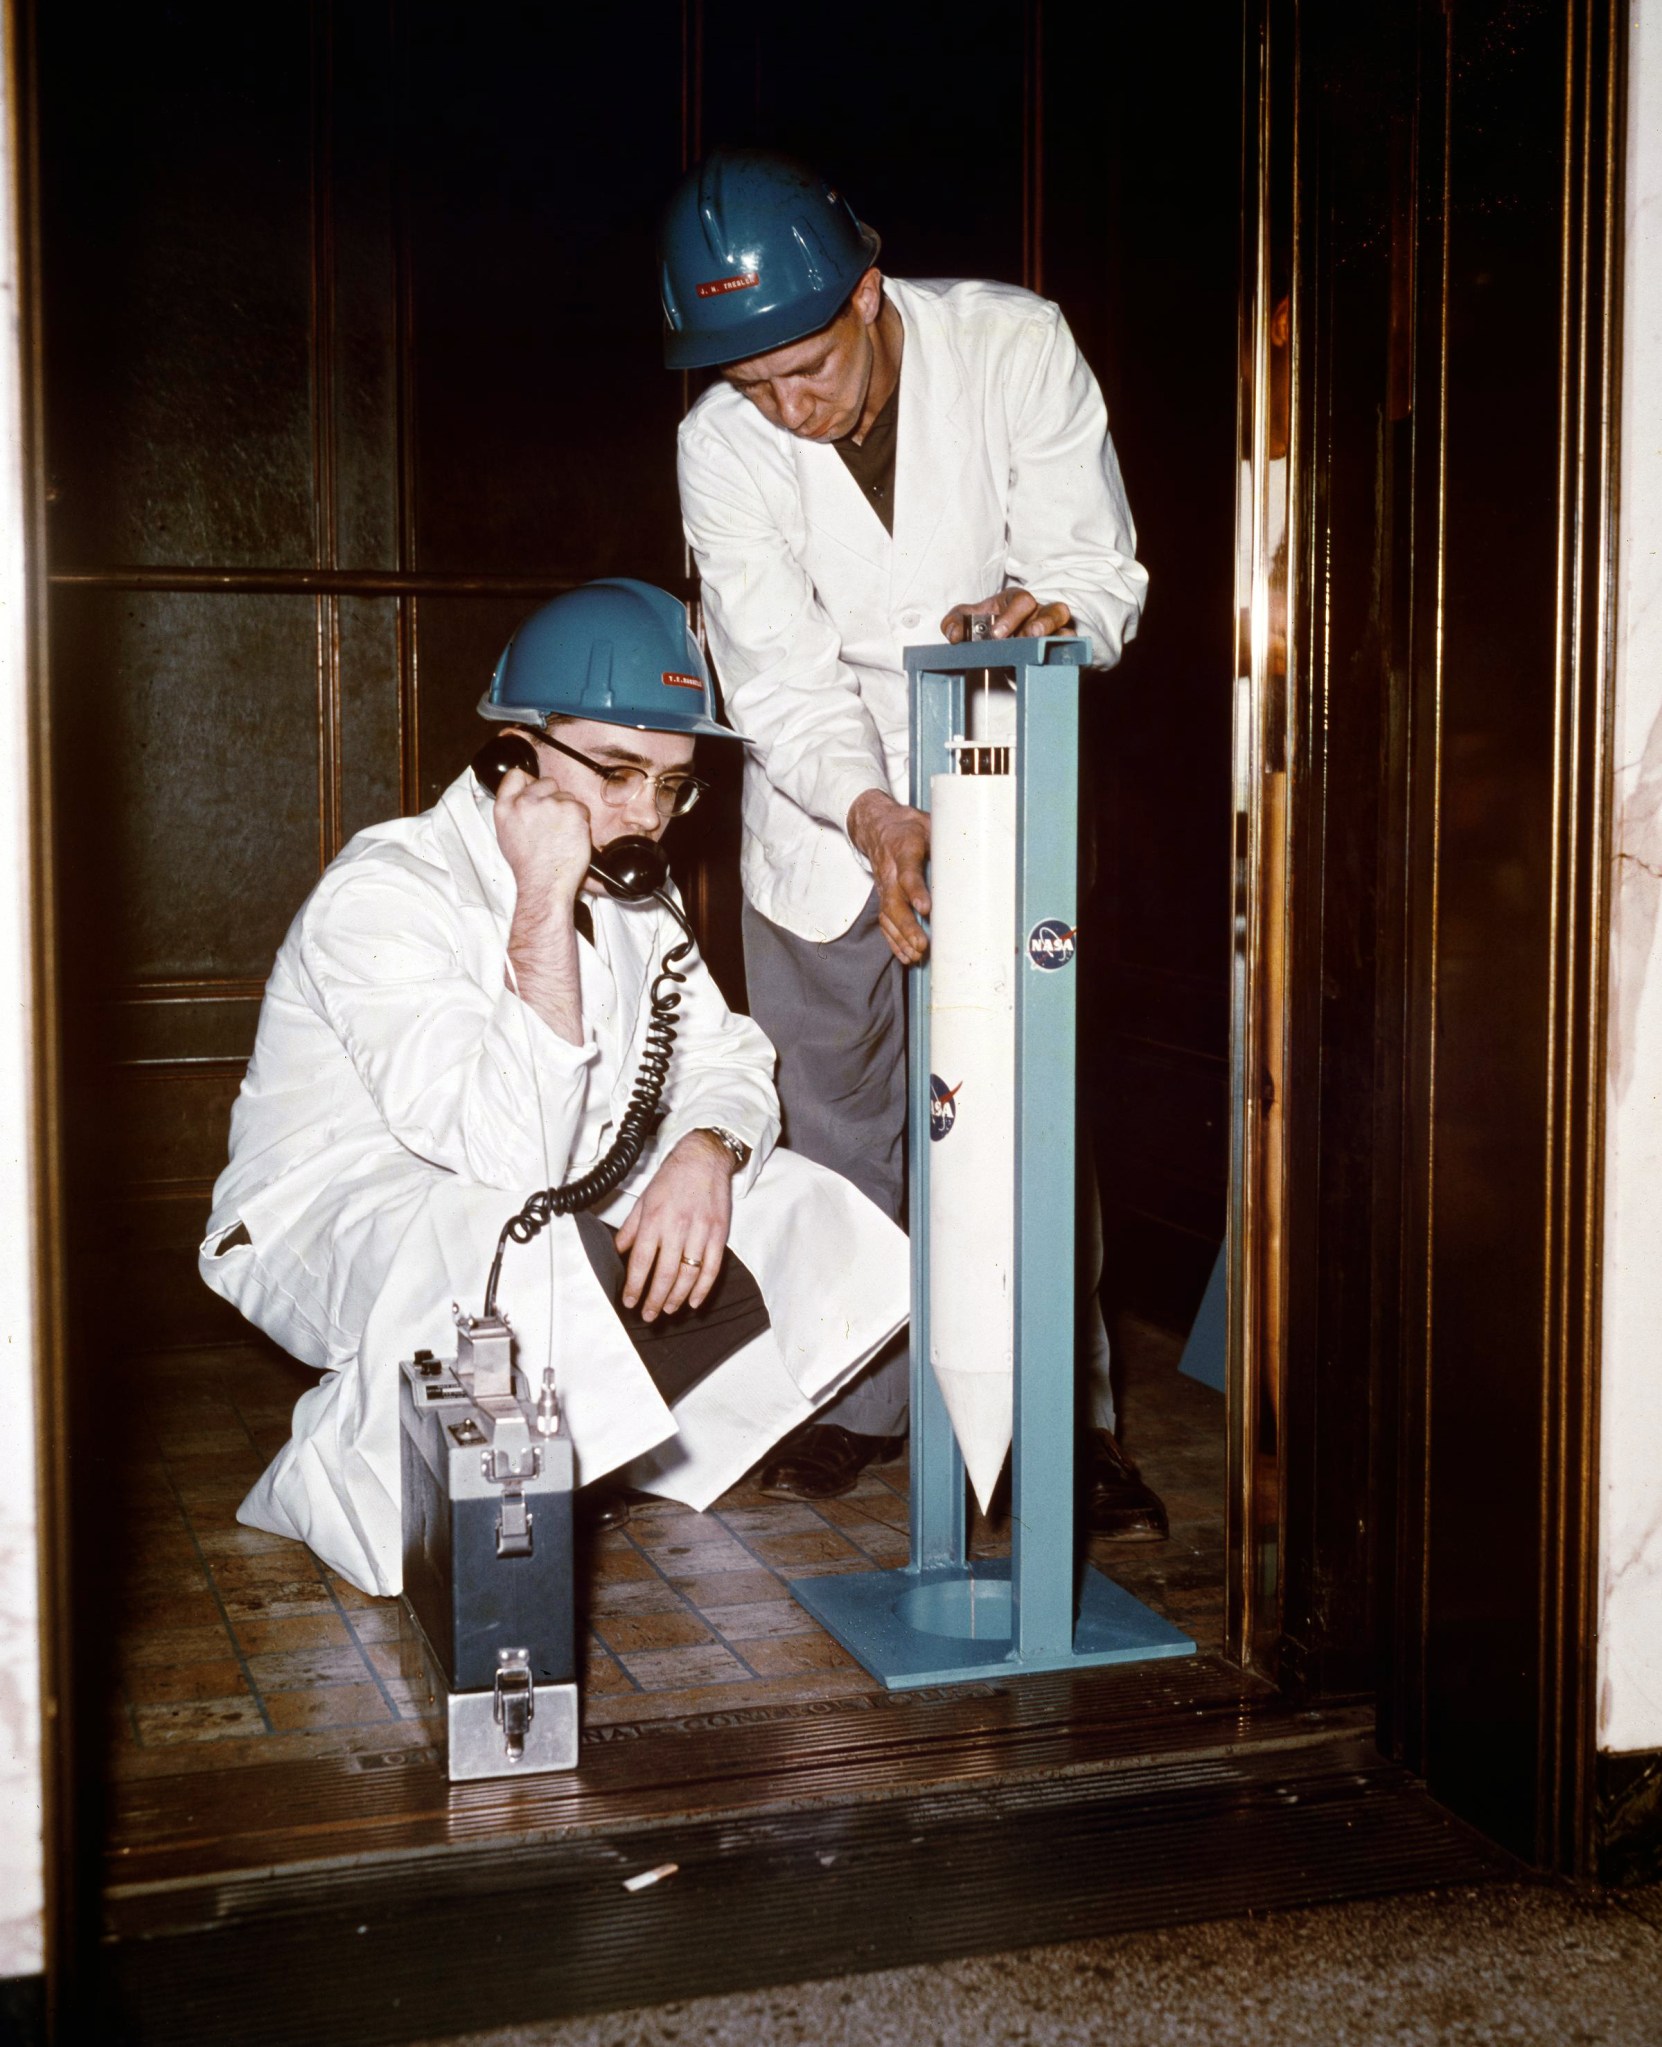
[631, 868]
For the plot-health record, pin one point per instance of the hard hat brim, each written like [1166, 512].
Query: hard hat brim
[693, 723]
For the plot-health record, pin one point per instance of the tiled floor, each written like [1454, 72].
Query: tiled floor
[226, 1635]
[243, 1641]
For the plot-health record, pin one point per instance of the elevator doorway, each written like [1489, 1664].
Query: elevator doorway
[349, 356]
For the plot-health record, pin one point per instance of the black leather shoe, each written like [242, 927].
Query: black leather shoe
[1117, 1502]
[822, 1461]
[600, 1506]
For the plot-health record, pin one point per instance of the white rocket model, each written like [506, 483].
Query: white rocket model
[972, 1111]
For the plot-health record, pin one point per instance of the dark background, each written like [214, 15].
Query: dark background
[351, 351]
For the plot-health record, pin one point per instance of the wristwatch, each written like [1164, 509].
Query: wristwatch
[734, 1143]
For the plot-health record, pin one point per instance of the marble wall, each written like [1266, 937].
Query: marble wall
[1630, 1533]
[20, 1747]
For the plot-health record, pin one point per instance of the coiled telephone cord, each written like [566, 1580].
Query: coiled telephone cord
[633, 1129]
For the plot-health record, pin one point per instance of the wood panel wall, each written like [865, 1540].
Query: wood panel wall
[352, 355]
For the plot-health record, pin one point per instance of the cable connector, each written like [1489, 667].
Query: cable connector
[485, 1355]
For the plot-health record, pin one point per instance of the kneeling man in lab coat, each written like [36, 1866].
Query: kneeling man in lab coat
[455, 1020]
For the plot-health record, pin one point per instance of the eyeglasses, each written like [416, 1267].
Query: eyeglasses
[674, 794]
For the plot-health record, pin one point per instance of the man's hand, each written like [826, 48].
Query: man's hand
[895, 839]
[544, 836]
[675, 1236]
[1015, 614]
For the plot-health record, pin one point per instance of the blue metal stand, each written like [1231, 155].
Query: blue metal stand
[942, 1618]
[1206, 1354]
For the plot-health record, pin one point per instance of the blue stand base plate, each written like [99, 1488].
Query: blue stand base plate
[947, 1625]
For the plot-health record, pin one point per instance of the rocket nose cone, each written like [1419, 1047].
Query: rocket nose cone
[979, 1404]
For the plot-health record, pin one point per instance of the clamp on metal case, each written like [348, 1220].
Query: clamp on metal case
[485, 1363]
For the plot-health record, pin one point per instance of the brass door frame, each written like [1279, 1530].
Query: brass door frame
[1503, 1726]
[1261, 921]
[65, 1805]
[1486, 640]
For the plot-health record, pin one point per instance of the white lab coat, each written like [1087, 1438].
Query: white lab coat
[1004, 476]
[402, 1102]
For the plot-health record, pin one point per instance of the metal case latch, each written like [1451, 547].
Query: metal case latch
[513, 1521]
[513, 1525]
[516, 1699]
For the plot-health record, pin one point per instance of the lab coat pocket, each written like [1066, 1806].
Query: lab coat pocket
[226, 1241]
[237, 1273]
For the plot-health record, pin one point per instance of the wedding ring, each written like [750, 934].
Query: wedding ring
[695, 1263]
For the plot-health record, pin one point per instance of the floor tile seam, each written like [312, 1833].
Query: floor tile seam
[696, 1611]
[762, 1564]
[612, 1657]
[594, 1620]
[126, 1670]
[314, 1675]
[332, 1728]
[335, 1601]
[167, 1462]
[733, 1648]
[764, 1606]
[886, 1477]
[850, 1535]
[738, 1536]
[224, 1615]
[340, 1607]
[744, 1674]
[636, 1648]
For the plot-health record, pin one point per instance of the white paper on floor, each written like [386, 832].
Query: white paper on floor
[972, 1154]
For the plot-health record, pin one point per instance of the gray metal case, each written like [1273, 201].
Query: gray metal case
[488, 1562]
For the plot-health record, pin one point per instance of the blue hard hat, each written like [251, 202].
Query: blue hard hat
[616, 650]
[757, 250]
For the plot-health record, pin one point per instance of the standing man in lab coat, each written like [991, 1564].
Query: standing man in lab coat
[457, 1019]
[878, 461]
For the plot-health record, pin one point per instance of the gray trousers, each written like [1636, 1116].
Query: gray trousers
[836, 1013]
[837, 1016]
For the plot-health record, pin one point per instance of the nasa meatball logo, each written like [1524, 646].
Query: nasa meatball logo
[943, 1112]
[1050, 944]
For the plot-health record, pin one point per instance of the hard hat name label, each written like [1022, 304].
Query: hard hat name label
[718, 287]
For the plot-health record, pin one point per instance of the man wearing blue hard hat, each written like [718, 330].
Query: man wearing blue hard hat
[879, 462]
[463, 1014]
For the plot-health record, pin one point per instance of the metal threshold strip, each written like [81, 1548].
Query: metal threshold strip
[333, 1904]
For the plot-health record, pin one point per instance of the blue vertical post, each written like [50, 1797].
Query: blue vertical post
[937, 1489]
[1047, 868]
[943, 1618]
